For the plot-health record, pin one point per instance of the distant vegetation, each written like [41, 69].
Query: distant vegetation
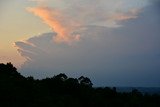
[62, 91]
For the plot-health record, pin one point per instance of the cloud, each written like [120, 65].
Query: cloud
[123, 56]
[66, 19]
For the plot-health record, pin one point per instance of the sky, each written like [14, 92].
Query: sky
[114, 43]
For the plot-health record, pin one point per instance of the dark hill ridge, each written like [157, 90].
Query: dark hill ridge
[149, 90]
[62, 91]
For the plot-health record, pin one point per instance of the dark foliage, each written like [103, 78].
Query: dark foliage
[61, 91]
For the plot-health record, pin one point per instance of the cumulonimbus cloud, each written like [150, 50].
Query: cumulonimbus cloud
[104, 54]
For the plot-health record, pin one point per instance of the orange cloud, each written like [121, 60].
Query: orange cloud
[131, 14]
[55, 20]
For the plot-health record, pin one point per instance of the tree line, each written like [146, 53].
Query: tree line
[62, 91]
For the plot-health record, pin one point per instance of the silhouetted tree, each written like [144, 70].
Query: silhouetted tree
[85, 81]
[61, 91]
[61, 76]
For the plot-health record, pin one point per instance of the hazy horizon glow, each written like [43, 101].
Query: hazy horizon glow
[115, 43]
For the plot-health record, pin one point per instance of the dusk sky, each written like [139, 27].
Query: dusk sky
[113, 42]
